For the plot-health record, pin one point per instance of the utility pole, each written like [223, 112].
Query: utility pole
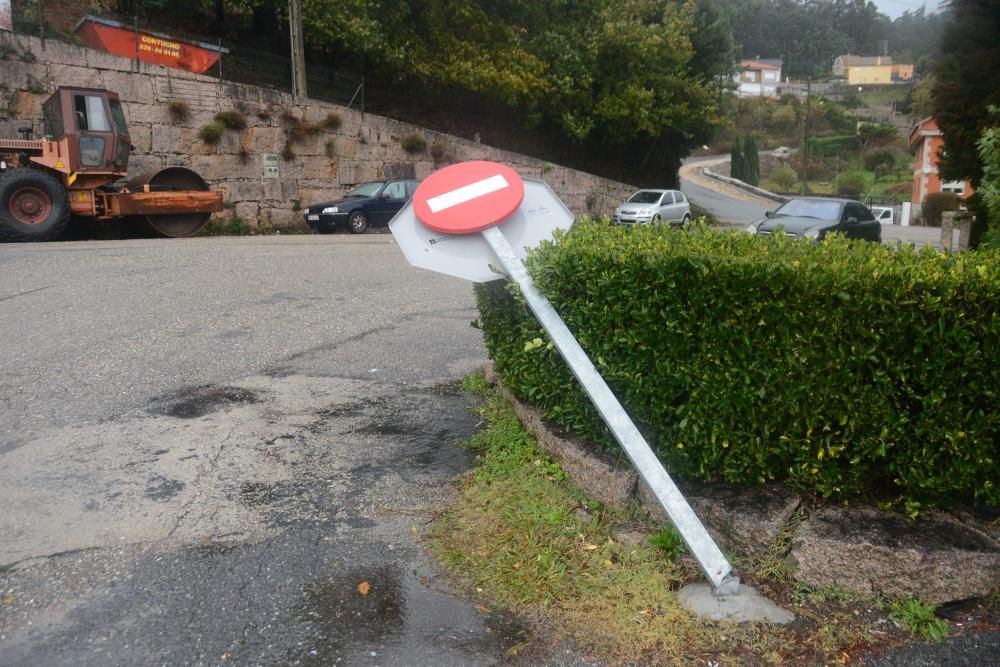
[298, 48]
[805, 138]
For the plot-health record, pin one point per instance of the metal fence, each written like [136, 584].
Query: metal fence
[238, 63]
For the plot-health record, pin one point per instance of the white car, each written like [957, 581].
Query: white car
[647, 206]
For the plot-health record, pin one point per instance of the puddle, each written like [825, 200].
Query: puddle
[385, 614]
[200, 401]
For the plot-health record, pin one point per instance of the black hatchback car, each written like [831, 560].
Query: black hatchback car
[815, 217]
[372, 203]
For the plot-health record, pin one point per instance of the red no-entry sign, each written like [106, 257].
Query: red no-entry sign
[468, 197]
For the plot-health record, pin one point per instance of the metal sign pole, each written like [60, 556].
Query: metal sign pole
[715, 565]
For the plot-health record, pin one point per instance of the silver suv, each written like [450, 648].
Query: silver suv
[647, 206]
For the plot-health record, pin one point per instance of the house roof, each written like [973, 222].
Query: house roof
[850, 60]
[924, 128]
[761, 64]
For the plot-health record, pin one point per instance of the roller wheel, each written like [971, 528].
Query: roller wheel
[176, 225]
[358, 222]
[686, 220]
[34, 206]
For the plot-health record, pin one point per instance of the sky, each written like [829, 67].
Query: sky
[896, 7]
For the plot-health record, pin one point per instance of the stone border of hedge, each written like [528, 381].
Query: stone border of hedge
[938, 558]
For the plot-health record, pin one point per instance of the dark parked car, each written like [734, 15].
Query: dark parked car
[372, 203]
[815, 217]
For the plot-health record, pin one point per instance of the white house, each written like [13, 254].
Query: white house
[759, 78]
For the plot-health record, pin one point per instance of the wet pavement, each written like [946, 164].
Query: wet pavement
[268, 506]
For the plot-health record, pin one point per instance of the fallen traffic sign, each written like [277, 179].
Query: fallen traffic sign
[469, 256]
[486, 197]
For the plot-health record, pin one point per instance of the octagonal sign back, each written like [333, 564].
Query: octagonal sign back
[469, 256]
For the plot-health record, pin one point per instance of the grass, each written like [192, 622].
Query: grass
[522, 536]
[919, 620]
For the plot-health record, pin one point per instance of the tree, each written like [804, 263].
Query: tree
[752, 157]
[967, 82]
[989, 186]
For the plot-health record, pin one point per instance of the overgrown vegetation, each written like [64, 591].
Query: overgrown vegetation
[179, 110]
[232, 225]
[522, 536]
[413, 143]
[211, 133]
[231, 120]
[840, 367]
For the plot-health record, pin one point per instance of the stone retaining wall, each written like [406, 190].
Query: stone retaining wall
[325, 165]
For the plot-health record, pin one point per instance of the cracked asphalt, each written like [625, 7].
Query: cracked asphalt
[227, 450]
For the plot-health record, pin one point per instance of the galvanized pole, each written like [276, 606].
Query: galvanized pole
[713, 563]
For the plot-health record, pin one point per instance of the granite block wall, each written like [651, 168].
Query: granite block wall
[314, 163]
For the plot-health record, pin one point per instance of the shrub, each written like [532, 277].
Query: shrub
[413, 143]
[212, 133]
[231, 120]
[439, 151]
[937, 203]
[851, 184]
[785, 178]
[331, 122]
[179, 110]
[839, 367]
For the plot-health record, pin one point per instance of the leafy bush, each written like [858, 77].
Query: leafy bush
[413, 143]
[838, 367]
[785, 178]
[937, 203]
[232, 120]
[851, 184]
[212, 133]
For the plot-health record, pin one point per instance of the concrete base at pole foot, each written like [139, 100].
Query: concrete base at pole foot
[746, 606]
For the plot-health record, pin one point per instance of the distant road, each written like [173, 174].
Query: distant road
[739, 208]
[730, 205]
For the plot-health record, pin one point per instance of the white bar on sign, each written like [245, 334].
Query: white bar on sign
[467, 193]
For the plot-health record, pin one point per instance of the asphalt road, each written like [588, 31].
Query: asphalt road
[227, 450]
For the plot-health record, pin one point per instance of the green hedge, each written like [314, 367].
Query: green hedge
[840, 367]
[830, 146]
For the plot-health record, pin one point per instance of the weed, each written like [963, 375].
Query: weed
[211, 134]
[244, 156]
[288, 153]
[234, 225]
[264, 114]
[591, 202]
[669, 541]
[27, 56]
[232, 120]
[179, 110]
[331, 122]
[7, 51]
[36, 86]
[547, 167]
[772, 564]
[439, 151]
[413, 143]
[918, 618]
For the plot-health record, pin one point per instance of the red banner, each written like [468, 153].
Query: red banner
[121, 40]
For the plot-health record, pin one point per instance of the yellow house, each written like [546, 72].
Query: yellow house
[859, 75]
